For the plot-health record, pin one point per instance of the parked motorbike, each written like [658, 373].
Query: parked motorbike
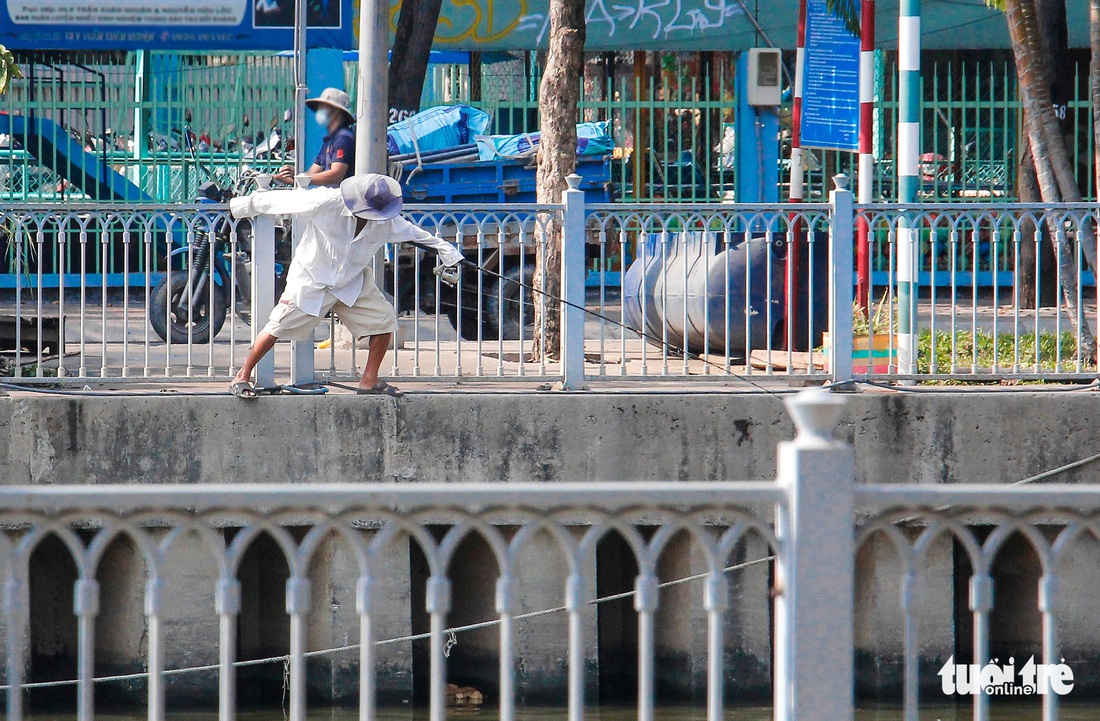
[272, 146]
[184, 300]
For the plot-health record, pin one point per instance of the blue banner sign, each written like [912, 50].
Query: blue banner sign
[171, 24]
[830, 82]
[662, 25]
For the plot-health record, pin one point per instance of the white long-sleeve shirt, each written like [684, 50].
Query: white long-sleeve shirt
[331, 257]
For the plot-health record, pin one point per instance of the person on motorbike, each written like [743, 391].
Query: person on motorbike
[336, 161]
[344, 228]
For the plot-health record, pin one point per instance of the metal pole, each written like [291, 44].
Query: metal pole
[227, 604]
[817, 473]
[798, 167]
[797, 191]
[297, 607]
[301, 352]
[16, 611]
[840, 281]
[908, 136]
[263, 285]
[372, 108]
[866, 175]
[372, 102]
[142, 79]
[300, 89]
[572, 317]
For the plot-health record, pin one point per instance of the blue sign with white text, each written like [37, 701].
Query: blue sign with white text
[171, 24]
[830, 82]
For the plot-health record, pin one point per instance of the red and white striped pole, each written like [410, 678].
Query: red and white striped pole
[796, 194]
[798, 167]
[866, 173]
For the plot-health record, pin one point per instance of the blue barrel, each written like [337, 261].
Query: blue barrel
[689, 290]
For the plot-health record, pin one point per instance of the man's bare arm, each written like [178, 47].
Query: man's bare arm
[331, 177]
[286, 173]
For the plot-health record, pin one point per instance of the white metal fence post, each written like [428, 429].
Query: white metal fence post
[16, 613]
[301, 351]
[572, 287]
[227, 604]
[841, 281]
[814, 633]
[263, 283]
[86, 608]
[154, 610]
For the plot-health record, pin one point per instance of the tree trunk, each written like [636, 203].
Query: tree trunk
[1053, 166]
[1045, 272]
[412, 46]
[1054, 44]
[559, 96]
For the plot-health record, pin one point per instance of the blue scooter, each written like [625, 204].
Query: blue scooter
[186, 300]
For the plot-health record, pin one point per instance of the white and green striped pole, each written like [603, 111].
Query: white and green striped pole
[908, 159]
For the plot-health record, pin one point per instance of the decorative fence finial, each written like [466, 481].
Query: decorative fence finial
[815, 413]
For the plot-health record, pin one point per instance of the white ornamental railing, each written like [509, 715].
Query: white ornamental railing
[809, 524]
[710, 292]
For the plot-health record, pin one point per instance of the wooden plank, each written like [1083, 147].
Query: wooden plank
[779, 359]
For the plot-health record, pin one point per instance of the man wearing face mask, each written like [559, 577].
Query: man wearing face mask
[336, 160]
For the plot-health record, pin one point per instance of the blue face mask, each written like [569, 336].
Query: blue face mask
[322, 117]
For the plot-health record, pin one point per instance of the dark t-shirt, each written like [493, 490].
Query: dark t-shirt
[338, 148]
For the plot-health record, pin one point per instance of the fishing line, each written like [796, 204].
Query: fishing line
[449, 632]
[644, 334]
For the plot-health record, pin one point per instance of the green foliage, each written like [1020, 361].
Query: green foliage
[1059, 355]
[878, 324]
[8, 68]
[848, 11]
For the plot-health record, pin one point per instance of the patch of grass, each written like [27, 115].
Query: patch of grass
[1055, 354]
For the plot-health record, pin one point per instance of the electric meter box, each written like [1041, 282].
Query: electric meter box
[765, 86]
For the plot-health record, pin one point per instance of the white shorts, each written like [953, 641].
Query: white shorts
[370, 314]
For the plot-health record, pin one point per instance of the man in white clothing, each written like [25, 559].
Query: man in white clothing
[344, 229]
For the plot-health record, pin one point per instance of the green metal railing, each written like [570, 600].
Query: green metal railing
[971, 123]
[165, 121]
[169, 121]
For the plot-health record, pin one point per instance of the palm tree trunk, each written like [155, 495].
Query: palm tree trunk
[559, 97]
[1037, 275]
[1053, 166]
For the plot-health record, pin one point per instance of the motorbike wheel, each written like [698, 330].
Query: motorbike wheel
[202, 323]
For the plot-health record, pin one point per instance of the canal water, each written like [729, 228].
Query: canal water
[1069, 711]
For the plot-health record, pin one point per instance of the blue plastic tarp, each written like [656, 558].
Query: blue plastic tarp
[592, 139]
[438, 128]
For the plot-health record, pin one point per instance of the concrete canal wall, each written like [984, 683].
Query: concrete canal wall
[936, 437]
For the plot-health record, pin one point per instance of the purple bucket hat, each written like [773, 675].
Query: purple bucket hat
[372, 196]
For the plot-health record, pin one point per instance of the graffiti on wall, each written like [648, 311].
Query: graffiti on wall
[525, 24]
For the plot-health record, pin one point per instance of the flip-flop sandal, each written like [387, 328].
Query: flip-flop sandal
[244, 390]
[382, 388]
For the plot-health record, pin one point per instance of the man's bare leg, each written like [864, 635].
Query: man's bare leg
[377, 348]
[263, 345]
